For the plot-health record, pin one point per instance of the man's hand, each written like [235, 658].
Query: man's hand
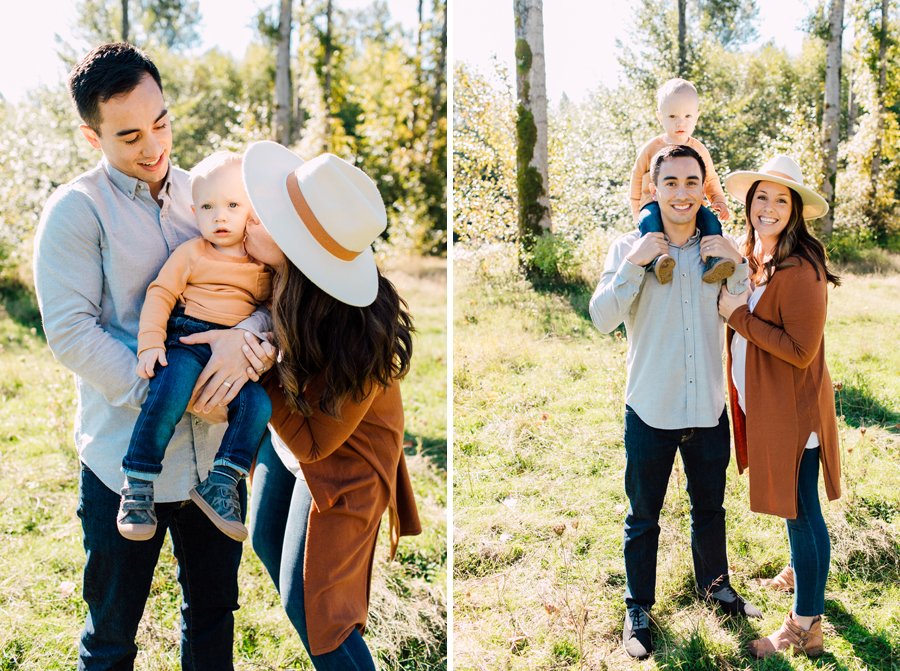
[647, 248]
[721, 247]
[729, 302]
[147, 361]
[722, 210]
[225, 373]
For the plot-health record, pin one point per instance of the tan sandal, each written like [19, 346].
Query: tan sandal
[792, 639]
[783, 582]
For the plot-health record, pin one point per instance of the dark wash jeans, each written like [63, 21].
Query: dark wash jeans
[118, 573]
[168, 398]
[281, 504]
[650, 221]
[810, 544]
[650, 454]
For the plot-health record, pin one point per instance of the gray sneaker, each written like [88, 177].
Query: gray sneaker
[136, 520]
[217, 497]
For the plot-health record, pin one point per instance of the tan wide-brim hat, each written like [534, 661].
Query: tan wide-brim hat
[782, 170]
[324, 214]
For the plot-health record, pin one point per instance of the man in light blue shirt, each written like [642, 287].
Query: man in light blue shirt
[675, 394]
[102, 239]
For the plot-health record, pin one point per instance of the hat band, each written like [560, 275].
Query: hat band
[783, 175]
[312, 224]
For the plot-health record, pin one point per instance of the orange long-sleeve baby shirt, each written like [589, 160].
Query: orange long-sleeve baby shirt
[640, 174]
[212, 286]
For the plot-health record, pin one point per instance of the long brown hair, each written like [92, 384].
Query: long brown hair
[795, 240]
[348, 348]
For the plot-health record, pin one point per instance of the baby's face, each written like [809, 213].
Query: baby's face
[222, 206]
[678, 115]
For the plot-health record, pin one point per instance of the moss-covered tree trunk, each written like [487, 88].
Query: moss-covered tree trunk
[831, 112]
[531, 129]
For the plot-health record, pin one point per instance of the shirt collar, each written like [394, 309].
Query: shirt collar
[127, 184]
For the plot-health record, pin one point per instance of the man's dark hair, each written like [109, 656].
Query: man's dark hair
[674, 151]
[109, 70]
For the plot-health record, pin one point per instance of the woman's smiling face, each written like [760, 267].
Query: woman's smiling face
[770, 210]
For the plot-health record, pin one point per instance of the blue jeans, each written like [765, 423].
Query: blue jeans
[281, 503]
[810, 544]
[650, 454]
[650, 221]
[168, 398]
[118, 573]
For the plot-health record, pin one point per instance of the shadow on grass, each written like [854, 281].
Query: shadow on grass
[434, 449]
[862, 407]
[20, 304]
[577, 294]
[871, 648]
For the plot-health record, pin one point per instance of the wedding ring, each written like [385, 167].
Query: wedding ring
[226, 383]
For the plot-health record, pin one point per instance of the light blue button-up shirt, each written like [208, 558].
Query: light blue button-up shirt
[102, 239]
[675, 334]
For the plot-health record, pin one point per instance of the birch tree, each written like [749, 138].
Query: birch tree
[832, 109]
[531, 128]
[283, 88]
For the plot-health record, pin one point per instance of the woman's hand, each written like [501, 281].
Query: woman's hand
[261, 355]
[729, 302]
[225, 372]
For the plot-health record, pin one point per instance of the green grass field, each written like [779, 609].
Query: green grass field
[41, 557]
[539, 500]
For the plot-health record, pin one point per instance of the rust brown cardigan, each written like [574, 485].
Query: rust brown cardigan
[355, 469]
[788, 390]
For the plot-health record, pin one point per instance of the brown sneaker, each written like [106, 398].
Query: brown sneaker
[783, 582]
[791, 638]
[663, 268]
[716, 269]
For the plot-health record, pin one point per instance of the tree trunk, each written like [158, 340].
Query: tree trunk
[882, 85]
[831, 113]
[682, 38]
[125, 26]
[531, 128]
[440, 67]
[283, 105]
[414, 115]
[852, 103]
[326, 61]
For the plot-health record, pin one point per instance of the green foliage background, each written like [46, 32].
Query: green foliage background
[753, 103]
[386, 114]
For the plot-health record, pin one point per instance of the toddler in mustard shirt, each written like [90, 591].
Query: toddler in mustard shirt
[678, 108]
[207, 283]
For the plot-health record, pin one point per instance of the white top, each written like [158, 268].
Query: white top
[739, 362]
[284, 453]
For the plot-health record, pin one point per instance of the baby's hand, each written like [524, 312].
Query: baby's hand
[147, 361]
[721, 210]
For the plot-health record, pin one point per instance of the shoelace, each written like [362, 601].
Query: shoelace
[639, 618]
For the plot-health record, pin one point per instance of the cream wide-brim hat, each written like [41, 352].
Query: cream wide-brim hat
[324, 214]
[782, 170]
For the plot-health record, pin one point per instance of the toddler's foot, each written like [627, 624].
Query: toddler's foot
[136, 520]
[663, 267]
[217, 497]
[716, 269]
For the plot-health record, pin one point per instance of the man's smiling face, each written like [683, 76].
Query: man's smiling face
[679, 190]
[134, 134]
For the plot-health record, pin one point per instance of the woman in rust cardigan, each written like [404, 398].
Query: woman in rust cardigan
[336, 463]
[782, 401]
